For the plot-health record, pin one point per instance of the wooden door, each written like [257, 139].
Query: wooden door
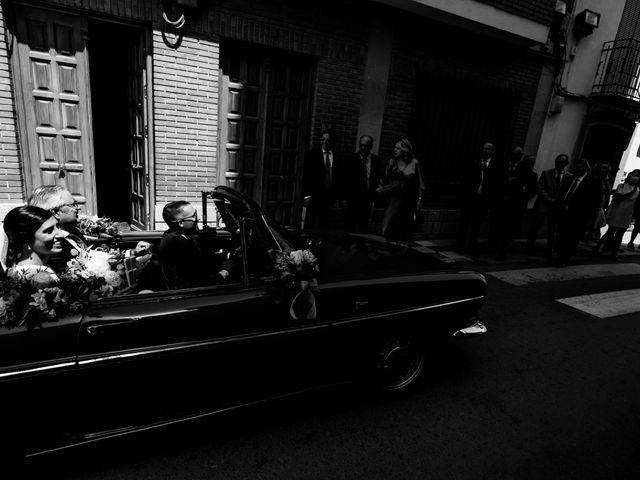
[52, 93]
[288, 100]
[242, 133]
[265, 110]
[138, 166]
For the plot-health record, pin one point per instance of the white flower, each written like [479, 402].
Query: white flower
[113, 278]
[308, 257]
[98, 263]
[297, 256]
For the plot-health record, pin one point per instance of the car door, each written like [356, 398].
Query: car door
[147, 358]
[37, 383]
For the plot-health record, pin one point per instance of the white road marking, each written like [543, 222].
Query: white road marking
[426, 243]
[535, 275]
[453, 257]
[424, 249]
[605, 305]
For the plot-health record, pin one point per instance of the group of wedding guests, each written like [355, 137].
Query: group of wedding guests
[359, 182]
[574, 204]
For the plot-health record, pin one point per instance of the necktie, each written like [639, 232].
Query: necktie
[483, 168]
[327, 169]
[364, 172]
[558, 178]
[571, 190]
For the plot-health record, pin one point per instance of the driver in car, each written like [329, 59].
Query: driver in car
[183, 263]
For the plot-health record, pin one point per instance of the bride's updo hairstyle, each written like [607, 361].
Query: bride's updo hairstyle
[20, 225]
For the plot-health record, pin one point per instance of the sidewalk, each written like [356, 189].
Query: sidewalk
[444, 248]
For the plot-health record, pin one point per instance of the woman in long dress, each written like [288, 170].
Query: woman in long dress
[620, 213]
[404, 186]
[33, 236]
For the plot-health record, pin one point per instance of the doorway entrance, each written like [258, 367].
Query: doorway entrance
[120, 132]
[82, 107]
[452, 116]
[264, 118]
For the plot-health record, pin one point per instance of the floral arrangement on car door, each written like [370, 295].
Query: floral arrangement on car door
[298, 270]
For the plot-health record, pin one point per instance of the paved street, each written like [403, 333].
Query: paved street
[550, 392]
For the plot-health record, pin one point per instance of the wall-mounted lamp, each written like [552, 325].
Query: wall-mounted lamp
[585, 22]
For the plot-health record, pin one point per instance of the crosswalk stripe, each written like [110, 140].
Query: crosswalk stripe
[528, 276]
[608, 304]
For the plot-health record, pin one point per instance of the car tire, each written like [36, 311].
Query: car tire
[395, 363]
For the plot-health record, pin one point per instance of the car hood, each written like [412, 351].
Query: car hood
[349, 256]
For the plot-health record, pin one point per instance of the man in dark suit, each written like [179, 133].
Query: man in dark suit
[482, 192]
[363, 171]
[577, 201]
[548, 186]
[520, 187]
[322, 181]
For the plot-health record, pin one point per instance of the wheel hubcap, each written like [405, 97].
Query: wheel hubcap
[399, 363]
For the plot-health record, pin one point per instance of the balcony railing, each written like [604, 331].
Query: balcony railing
[618, 73]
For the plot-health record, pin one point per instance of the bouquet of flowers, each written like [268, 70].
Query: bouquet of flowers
[32, 299]
[95, 272]
[298, 269]
[95, 226]
[296, 265]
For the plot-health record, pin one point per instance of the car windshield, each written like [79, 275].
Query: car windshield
[286, 239]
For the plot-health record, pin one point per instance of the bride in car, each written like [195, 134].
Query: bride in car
[33, 236]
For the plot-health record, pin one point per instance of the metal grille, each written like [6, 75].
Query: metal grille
[618, 72]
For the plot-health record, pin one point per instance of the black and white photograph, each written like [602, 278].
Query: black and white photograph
[293, 240]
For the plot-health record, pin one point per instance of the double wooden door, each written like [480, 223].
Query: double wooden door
[265, 106]
[52, 87]
[53, 98]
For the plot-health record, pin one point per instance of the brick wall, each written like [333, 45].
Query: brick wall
[10, 170]
[185, 95]
[540, 11]
[123, 9]
[629, 25]
[423, 45]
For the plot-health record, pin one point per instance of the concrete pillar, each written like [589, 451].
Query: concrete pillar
[376, 78]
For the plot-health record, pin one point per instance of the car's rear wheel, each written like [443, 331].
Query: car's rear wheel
[396, 363]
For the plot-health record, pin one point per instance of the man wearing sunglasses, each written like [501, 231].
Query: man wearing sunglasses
[184, 265]
[60, 202]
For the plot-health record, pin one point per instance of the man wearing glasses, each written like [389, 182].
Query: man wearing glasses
[183, 262]
[60, 202]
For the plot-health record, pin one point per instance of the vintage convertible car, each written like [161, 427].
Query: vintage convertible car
[141, 360]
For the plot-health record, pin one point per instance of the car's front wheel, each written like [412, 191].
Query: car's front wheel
[395, 363]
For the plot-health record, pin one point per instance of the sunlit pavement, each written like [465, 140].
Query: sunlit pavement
[445, 249]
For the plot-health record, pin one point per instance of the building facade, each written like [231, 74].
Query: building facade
[132, 104]
[590, 110]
